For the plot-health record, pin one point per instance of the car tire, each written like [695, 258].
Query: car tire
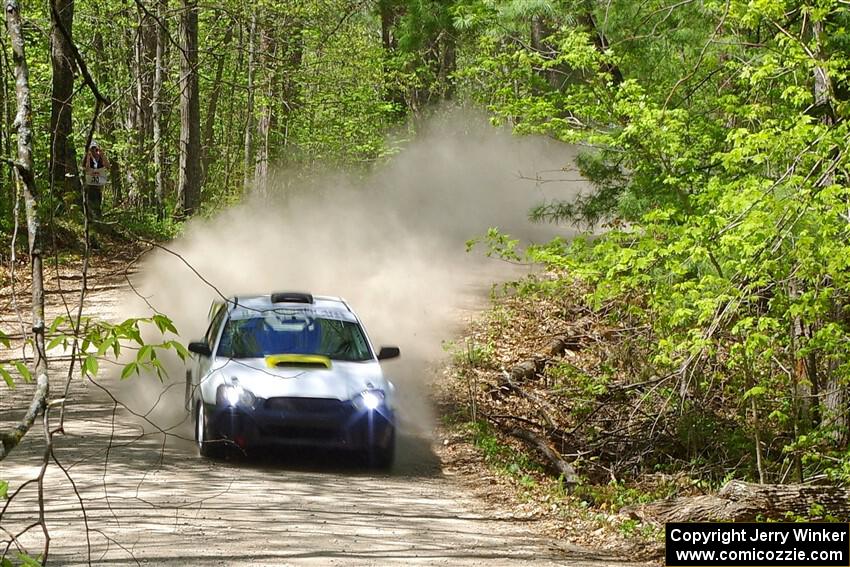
[207, 448]
[383, 457]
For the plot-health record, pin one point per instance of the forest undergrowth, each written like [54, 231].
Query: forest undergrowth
[546, 365]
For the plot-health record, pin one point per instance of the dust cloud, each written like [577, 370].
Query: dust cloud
[391, 242]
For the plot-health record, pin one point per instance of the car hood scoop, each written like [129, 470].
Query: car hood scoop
[298, 361]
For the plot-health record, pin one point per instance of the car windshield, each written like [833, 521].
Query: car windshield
[293, 333]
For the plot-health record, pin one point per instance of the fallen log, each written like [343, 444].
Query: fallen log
[528, 369]
[564, 468]
[745, 502]
[543, 407]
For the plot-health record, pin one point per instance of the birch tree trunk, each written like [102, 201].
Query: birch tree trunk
[26, 177]
[189, 180]
[159, 77]
[8, 175]
[145, 50]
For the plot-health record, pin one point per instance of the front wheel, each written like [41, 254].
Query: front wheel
[206, 447]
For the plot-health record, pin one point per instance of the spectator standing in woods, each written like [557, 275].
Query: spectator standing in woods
[94, 161]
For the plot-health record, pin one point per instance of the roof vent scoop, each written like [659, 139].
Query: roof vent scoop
[292, 297]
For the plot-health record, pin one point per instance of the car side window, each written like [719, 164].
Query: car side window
[215, 325]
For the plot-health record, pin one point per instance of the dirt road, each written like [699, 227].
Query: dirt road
[148, 499]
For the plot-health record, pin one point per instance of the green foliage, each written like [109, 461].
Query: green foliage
[497, 244]
[99, 340]
[503, 457]
[569, 376]
[722, 181]
[479, 355]
[319, 75]
[7, 378]
[471, 353]
[631, 528]
[23, 560]
[343, 115]
[21, 367]
[617, 495]
[145, 224]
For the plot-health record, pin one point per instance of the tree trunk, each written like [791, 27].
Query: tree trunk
[212, 107]
[64, 175]
[268, 47]
[247, 164]
[389, 18]
[601, 43]
[145, 49]
[7, 176]
[159, 77]
[834, 408]
[137, 127]
[26, 176]
[537, 34]
[231, 160]
[744, 502]
[189, 181]
[389, 15]
[110, 120]
[822, 80]
[448, 65]
[801, 384]
[131, 122]
[290, 91]
[540, 30]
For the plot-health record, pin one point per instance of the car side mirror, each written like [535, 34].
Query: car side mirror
[200, 347]
[388, 352]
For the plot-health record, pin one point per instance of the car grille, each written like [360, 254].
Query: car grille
[308, 405]
[294, 432]
[308, 419]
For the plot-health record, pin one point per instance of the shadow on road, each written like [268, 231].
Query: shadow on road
[415, 457]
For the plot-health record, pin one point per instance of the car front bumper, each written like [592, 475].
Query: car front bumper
[301, 422]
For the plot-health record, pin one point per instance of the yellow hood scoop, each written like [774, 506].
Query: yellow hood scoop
[298, 360]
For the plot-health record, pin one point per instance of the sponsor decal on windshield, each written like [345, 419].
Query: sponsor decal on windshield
[298, 312]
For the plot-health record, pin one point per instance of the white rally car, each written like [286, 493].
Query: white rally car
[290, 369]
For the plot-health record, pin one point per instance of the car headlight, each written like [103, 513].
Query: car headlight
[369, 400]
[232, 395]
